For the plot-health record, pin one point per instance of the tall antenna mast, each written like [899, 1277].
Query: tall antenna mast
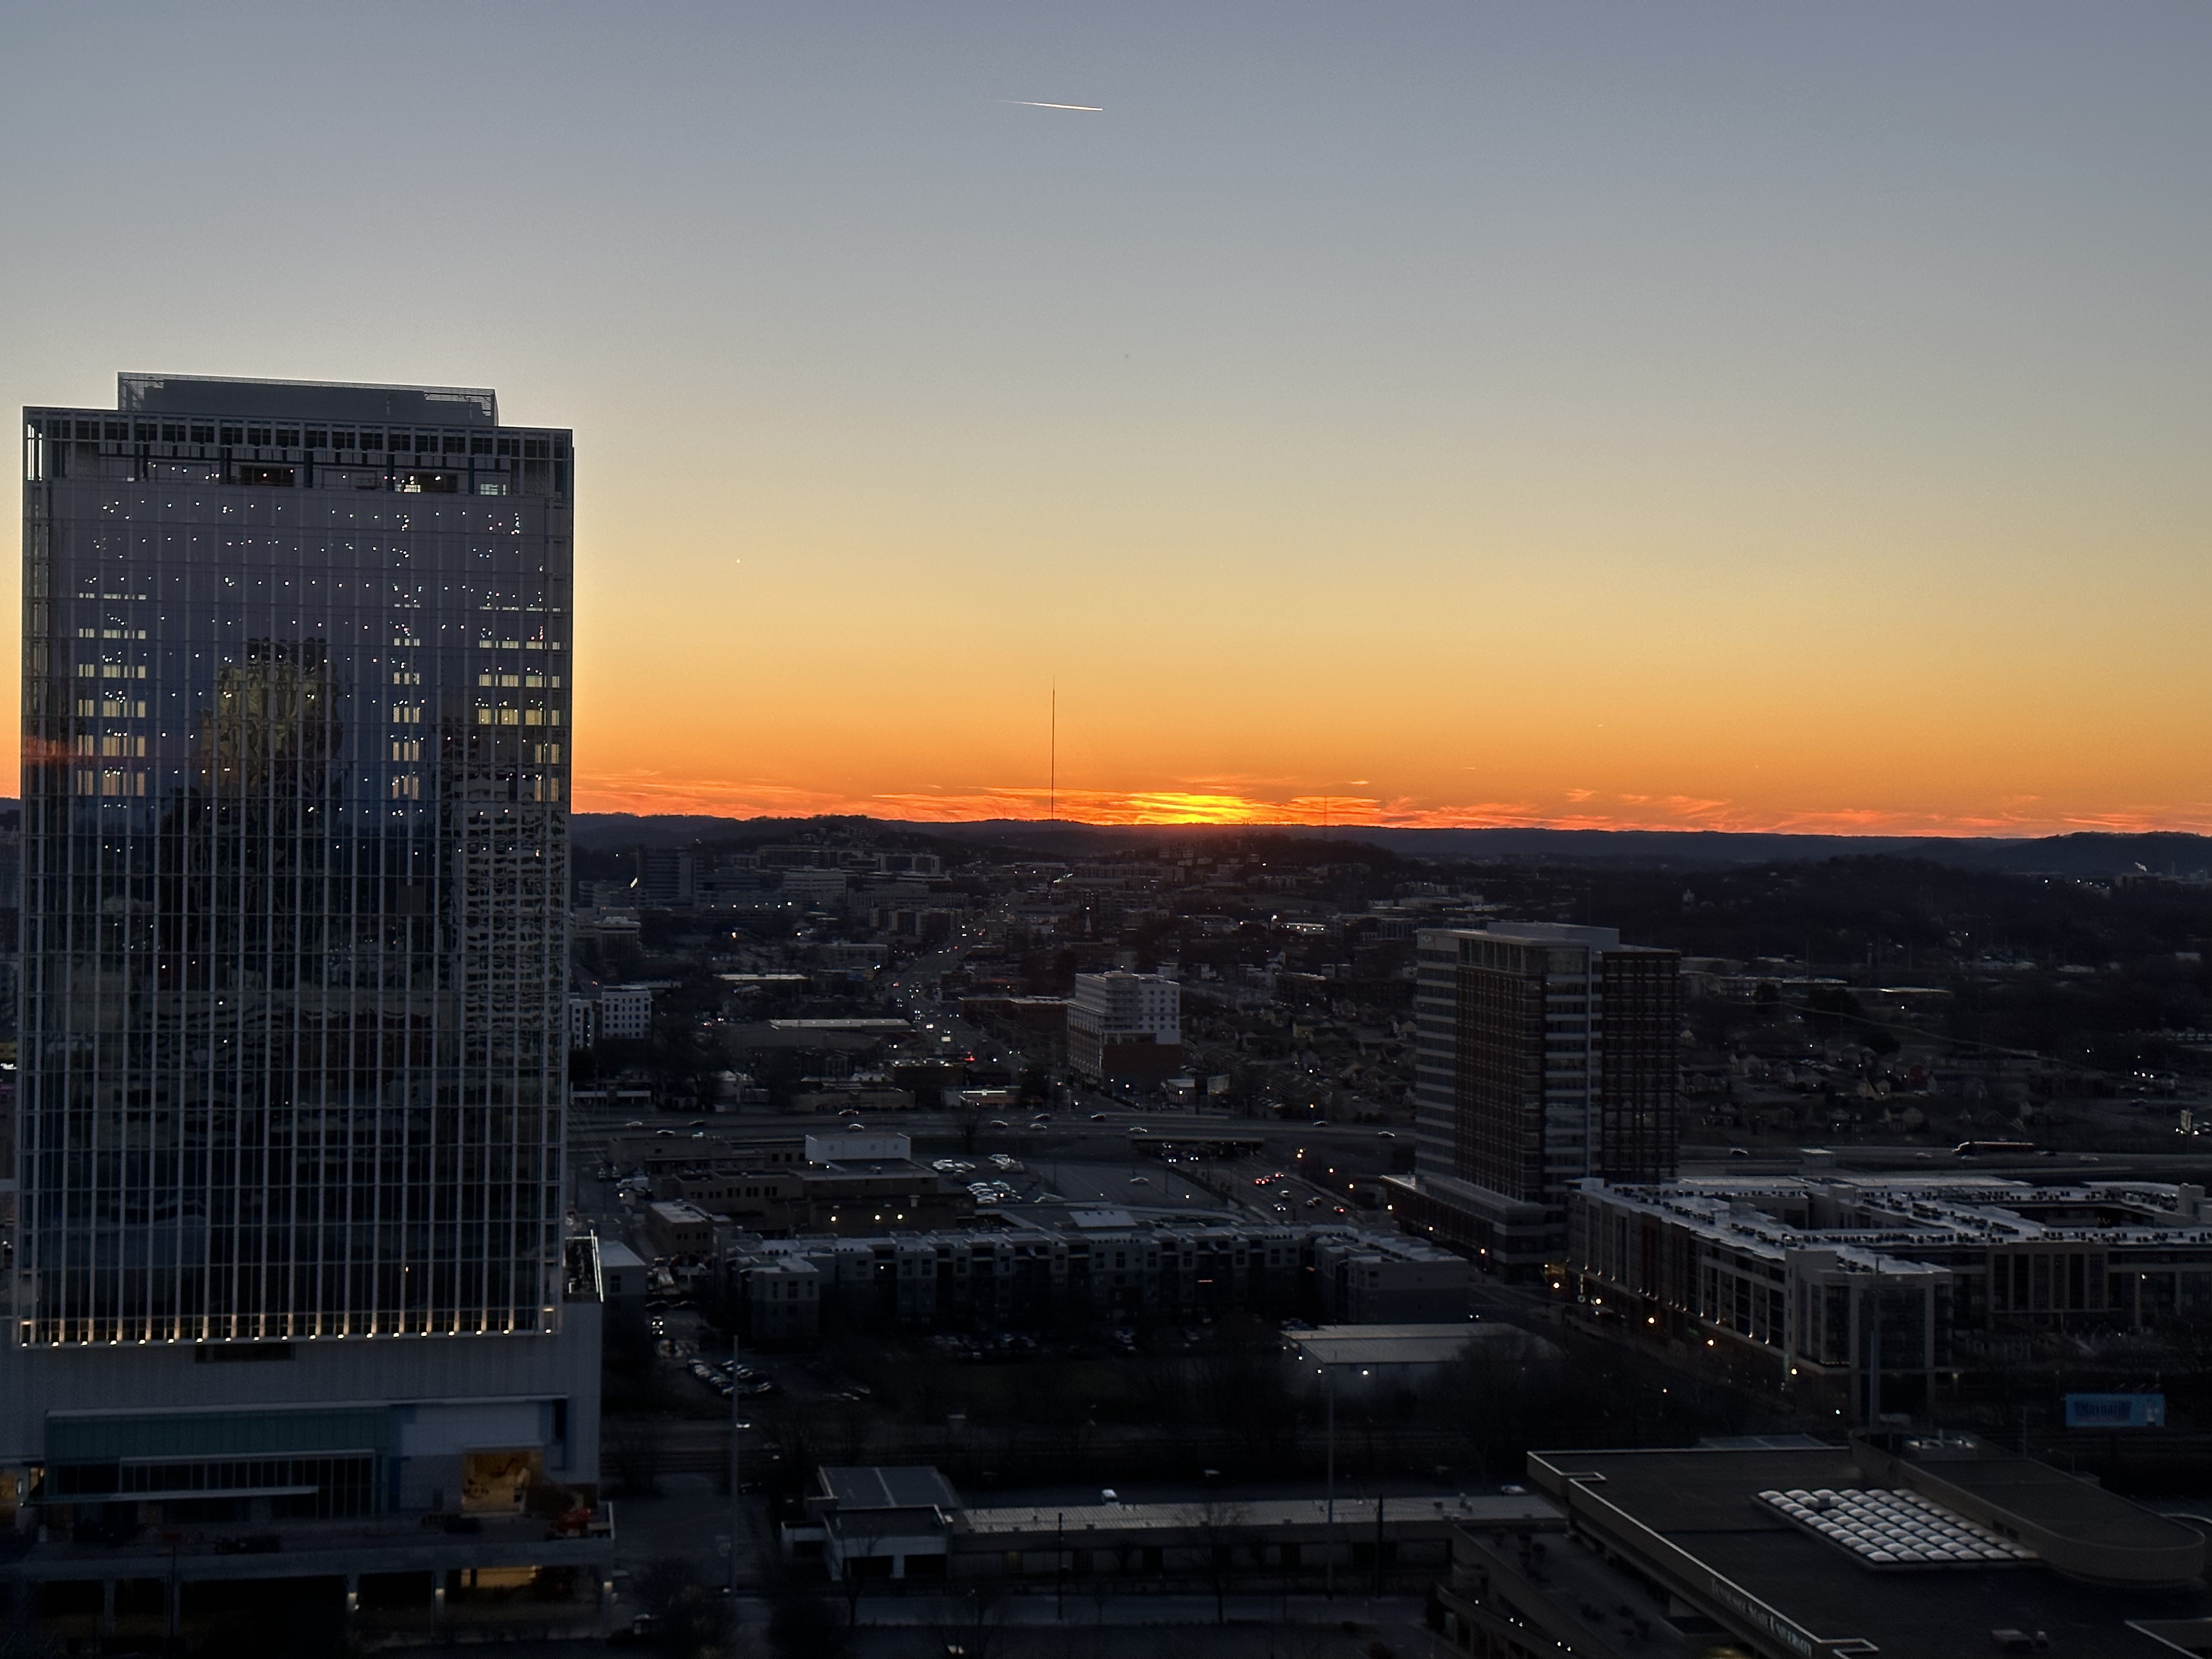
[1052, 773]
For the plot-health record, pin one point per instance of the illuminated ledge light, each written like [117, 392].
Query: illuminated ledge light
[1890, 1530]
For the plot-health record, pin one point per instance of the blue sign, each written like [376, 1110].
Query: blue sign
[2115, 1411]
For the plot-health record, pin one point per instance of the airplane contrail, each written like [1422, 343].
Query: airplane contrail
[1031, 103]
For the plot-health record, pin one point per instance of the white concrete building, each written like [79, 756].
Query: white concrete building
[1125, 1026]
[626, 1012]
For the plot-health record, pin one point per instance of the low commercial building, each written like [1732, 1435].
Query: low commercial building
[906, 1524]
[1821, 1276]
[658, 1151]
[855, 1193]
[1362, 1362]
[674, 1227]
[830, 1096]
[623, 1274]
[1381, 1279]
[1508, 1237]
[1043, 1018]
[1905, 1545]
[840, 1182]
[879, 1522]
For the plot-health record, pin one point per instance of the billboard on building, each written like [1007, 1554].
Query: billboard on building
[2115, 1411]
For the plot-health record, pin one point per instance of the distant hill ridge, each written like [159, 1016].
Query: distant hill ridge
[2088, 854]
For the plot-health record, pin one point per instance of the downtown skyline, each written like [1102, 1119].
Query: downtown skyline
[1704, 417]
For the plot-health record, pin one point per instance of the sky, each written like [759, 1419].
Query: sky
[1665, 414]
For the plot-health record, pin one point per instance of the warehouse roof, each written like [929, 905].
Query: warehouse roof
[876, 1487]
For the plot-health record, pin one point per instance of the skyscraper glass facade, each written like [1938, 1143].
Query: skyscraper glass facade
[1546, 1053]
[296, 760]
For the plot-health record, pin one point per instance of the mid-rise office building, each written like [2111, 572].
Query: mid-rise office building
[583, 1023]
[667, 877]
[1125, 1027]
[293, 1009]
[1546, 1053]
[626, 1012]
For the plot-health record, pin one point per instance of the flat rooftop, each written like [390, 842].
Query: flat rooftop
[887, 1487]
[333, 400]
[1301, 1517]
[2051, 1498]
[1694, 1518]
[1895, 1216]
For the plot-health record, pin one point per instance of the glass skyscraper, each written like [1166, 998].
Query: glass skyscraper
[1545, 1053]
[295, 760]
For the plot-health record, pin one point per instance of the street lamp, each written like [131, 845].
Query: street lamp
[1329, 1553]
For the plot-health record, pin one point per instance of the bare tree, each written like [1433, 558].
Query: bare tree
[802, 1623]
[857, 1536]
[686, 1618]
[1218, 1521]
[973, 1624]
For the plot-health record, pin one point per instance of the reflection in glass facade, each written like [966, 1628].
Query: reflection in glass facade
[296, 697]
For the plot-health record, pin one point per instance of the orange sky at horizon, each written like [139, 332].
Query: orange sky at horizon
[1893, 672]
[646, 795]
[1706, 416]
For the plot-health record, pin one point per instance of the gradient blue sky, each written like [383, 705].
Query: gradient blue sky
[1734, 415]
